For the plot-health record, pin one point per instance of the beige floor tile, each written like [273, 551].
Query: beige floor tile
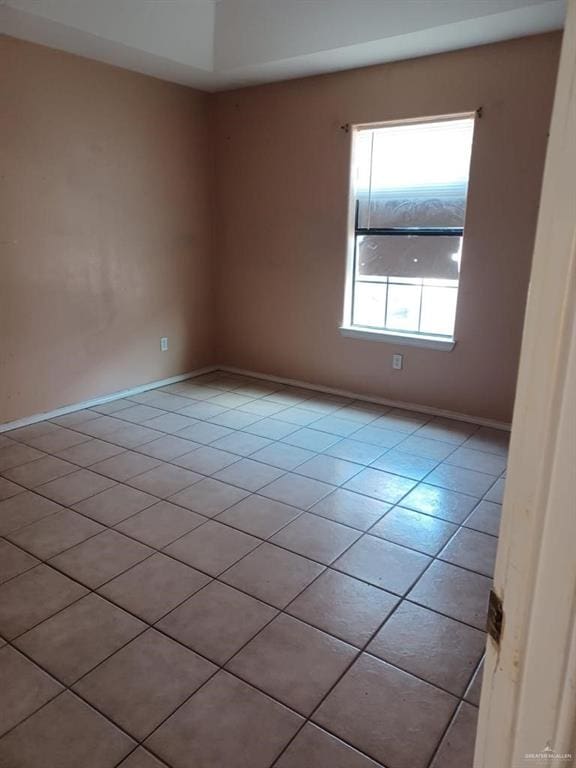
[426, 447]
[206, 460]
[311, 439]
[154, 587]
[355, 451]
[457, 593]
[383, 438]
[138, 414]
[66, 733]
[457, 747]
[133, 435]
[380, 485]
[485, 518]
[272, 428]
[300, 417]
[217, 725]
[460, 480]
[160, 524]
[383, 564]
[473, 550]
[259, 516]
[234, 419]
[167, 447]
[212, 548]
[400, 420]
[141, 758]
[404, 735]
[217, 621]
[264, 408]
[25, 688]
[58, 441]
[115, 504]
[447, 430]
[203, 410]
[344, 607]
[431, 646]
[125, 465]
[293, 662]
[75, 487]
[101, 558]
[248, 474]
[316, 538]
[8, 489]
[163, 400]
[89, 453]
[336, 425]
[25, 434]
[314, 748]
[496, 492]
[490, 463]
[241, 443]
[23, 509]
[204, 433]
[283, 456]
[405, 464]
[490, 440]
[171, 422]
[296, 490]
[112, 406]
[103, 426]
[439, 502]
[32, 597]
[14, 561]
[349, 508]
[78, 638]
[164, 480]
[329, 469]
[39, 471]
[272, 574]
[74, 418]
[473, 691]
[209, 497]
[411, 529]
[144, 682]
[16, 454]
[55, 533]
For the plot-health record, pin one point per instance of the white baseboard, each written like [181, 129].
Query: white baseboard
[427, 409]
[105, 399]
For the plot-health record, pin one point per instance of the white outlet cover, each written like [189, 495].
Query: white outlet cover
[397, 362]
[164, 343]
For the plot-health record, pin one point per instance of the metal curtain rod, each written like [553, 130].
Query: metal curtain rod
[478, 112]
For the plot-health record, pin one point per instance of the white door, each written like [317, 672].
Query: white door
[528, 705]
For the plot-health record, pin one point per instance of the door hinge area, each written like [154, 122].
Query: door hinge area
[495, 617]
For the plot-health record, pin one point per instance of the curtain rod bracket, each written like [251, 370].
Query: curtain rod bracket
[345, 127]
[479, 112]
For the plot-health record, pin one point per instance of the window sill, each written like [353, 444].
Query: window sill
[427, 342]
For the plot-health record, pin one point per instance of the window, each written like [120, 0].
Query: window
[410, 183]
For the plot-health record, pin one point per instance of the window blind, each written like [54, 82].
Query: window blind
[413, 175]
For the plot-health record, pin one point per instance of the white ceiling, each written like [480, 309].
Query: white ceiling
[218, 44]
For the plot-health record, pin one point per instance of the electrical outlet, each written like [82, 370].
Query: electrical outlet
[397, 362]
[164, 344]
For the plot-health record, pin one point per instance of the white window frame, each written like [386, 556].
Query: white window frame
[347, 328]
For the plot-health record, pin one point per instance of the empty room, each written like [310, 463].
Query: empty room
[287, 375]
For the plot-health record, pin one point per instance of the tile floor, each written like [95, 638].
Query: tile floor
[231, 573]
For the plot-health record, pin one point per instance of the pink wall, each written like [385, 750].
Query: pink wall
[282, 186]
[107, 209]
[104, 229]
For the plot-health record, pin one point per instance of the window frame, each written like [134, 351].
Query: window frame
[347, 327]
